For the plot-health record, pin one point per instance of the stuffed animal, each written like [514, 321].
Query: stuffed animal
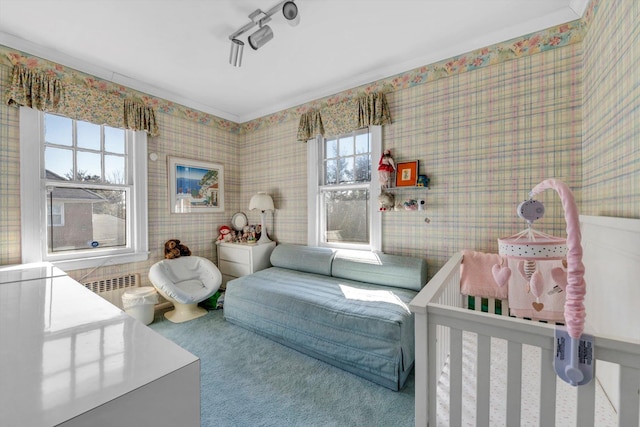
[226, 235]
[386, 201]
[174, 249]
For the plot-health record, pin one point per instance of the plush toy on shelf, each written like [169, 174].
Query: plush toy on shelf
[386, 200]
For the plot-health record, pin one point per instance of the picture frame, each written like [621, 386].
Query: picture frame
[195, 186]
[407, 174]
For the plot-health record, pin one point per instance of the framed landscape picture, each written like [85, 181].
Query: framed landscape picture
[407, 174]
[195, 186]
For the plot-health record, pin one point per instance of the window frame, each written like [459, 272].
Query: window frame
[33, 201]
[315, 188]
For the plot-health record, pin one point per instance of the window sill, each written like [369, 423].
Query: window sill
[80, 263]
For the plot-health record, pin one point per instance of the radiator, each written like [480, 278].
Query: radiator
[112, 288]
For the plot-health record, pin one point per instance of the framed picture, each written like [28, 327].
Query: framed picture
[407, 174]
[195, 186]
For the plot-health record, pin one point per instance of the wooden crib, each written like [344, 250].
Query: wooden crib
[446, 329]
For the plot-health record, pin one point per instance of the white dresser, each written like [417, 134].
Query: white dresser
[240, 259]
[69, 358]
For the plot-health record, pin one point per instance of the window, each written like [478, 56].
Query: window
[342, 199]
[84, 194]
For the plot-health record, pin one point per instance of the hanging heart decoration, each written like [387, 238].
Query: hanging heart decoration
[559, 276]
[501, 274]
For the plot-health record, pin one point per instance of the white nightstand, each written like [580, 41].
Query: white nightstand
[240, 259]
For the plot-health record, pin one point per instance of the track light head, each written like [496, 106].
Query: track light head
[235, 55]
[260, 37]
[290, 12]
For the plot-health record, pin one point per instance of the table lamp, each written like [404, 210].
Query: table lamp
[262, 202]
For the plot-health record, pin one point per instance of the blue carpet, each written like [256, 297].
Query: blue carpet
[249, 380]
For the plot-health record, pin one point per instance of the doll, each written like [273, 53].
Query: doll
[385, 167]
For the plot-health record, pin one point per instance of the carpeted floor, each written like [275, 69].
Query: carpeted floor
[249, 380]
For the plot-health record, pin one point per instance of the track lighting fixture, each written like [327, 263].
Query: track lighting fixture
[264, 33]
[260, 37]
[235, 57]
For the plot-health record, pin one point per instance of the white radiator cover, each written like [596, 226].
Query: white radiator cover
[112, 288]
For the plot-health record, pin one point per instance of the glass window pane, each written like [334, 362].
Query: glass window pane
[347, 216]
[362, 143]
[58, 163]
[58, 130]
[114, 140]
[88, 166]
[346, 146]
[114, 171]
[331, 149]
[363, 168]
[331, 172]
[88, 135]
[93, 218]
[346, 169]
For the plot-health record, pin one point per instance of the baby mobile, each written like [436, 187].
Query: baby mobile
[531, 247]
[574, 350]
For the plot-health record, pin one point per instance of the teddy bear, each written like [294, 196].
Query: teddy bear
[174, 249]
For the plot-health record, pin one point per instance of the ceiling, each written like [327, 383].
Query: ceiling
[179, 49]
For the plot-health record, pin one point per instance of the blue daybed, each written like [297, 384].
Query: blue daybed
[347, 308]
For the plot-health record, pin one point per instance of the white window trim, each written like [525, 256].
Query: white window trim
[315, 227]
[33, 209]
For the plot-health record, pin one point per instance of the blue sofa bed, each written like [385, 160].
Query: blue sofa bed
[347, 308]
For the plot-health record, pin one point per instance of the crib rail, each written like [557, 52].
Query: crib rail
[441, 320]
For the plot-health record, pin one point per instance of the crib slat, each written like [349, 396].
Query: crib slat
[491, 305]
[514, 383]
[505, 307]
[547, 408]
[483, 390]
[455, 378]
[433, 375]
[629, 400]
[586, 404]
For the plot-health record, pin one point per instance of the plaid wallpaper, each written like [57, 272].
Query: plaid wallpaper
[611, 111]
[485, 137]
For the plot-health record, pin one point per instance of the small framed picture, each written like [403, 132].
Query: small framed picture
[407, 174]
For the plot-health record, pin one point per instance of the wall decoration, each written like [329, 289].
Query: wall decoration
[407, 174]
[195, 186]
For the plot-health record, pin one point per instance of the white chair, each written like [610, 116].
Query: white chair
[185, 282]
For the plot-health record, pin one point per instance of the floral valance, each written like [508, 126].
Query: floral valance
[88, 99]
[346, 116]
[310, 125]
[35, 89]
[137, 116]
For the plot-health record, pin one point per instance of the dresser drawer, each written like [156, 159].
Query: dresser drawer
[234, 269]
[232, 254]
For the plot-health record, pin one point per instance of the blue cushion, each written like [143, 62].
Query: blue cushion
[380, 269]
[303, 258]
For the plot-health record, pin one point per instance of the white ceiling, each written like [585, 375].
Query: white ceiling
[179, 49]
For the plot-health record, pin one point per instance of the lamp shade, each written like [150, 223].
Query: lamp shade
[262, 202]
